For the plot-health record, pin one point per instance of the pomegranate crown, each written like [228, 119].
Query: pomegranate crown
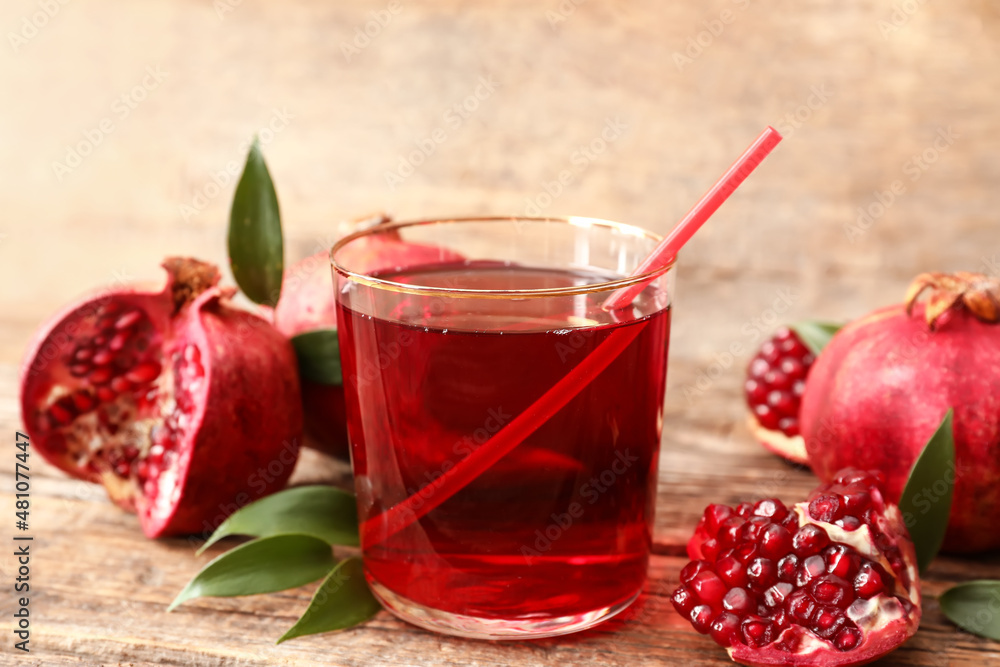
[189, 277]
[977, 293]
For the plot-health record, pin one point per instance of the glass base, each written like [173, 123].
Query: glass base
[473, 627]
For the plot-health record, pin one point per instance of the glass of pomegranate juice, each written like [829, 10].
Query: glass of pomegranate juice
[504, 427]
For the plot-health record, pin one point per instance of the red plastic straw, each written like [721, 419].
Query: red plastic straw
[380, 527]
[696, 217]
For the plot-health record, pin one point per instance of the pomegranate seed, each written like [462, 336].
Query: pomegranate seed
[856, 503]
[782, 334]
[762, 573]
[828, 621]
[715, 516]
[83, 354]
[826, 508]
[767, 417]
[798, 389]
[794, 346]
[744, 510]
[725, 628]
[753, 528]
[121, 385]
[847, 639]
[770, 352]
[776, 595]
[775, 541]
[689, 572]
[775, 379]
[788, 567]
[732, 572]
[701, 618]
[771, 508]
[840, 561]
[832, 590]
[100, 375]
[800, 606]
[130, 452]
[755, 390]
[710, 549]
[868, 582]
[103, 357]
[758, 367]
[849, 522]
[809, 540]
[793, 368]
[811, 567]
[738, 601]
[682, 599]
[789, 426]
[730, 530]
[128, 319]
[782, 402]
[79, 370]
[145, 372]
[106, 395]
[118, 341]
[105, 323]
[756, 631]
[61, 414]
[100, 340]
[746, 552]
[708, 587]
[83, 401]
[123, 468]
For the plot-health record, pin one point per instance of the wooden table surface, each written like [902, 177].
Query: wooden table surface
[873, 96]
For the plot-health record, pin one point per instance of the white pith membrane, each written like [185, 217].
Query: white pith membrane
[113, 407]
[869, 615]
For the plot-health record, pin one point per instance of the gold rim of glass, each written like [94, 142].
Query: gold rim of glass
[576, 221]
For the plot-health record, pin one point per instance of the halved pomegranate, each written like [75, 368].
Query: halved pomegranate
[181, 405]
[831, 582]
[776, 381]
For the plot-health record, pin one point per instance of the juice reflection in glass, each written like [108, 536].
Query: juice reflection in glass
[439, 358]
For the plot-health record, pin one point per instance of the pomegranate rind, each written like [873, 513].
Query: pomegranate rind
[879, 390]
[791, 449]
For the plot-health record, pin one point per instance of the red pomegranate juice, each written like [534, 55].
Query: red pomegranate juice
[561, 525]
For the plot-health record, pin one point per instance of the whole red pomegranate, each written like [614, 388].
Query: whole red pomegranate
[307, 303]
[881, 387]
[183, 406]
[831, 582]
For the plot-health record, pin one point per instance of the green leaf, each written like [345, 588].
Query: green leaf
[256, 251]
[926, 499]
[343, 600]
[815, 334]
[261, 566]
[318, 353]
[323, 512]
[974, 607]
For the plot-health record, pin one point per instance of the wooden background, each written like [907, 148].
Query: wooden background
[870, 94]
